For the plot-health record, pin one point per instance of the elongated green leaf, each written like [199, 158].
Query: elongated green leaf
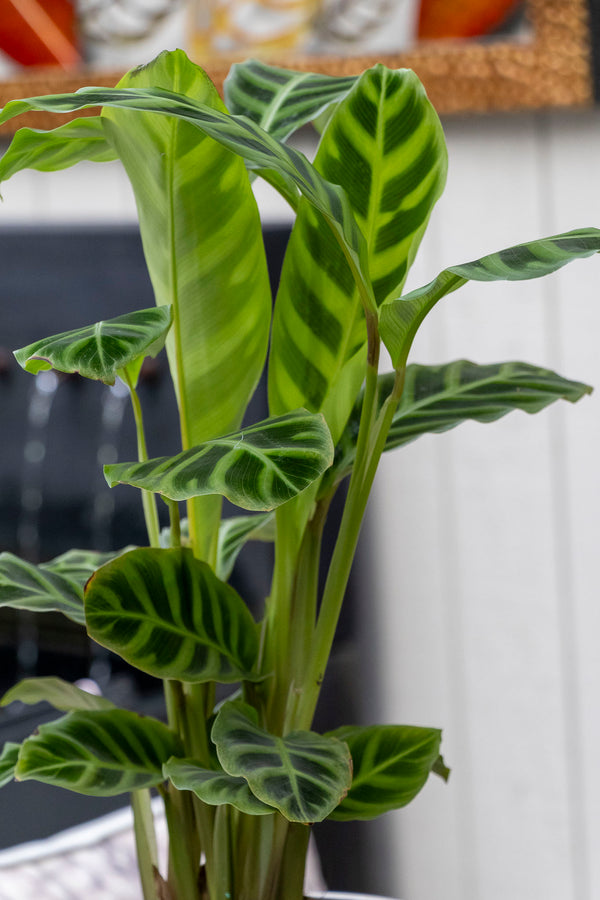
[55, 586]
[304, 775]
[8, 762]
[234, 533]
[102, 350]
[168, 614]
[203, 243]
[215, 788]
[98, 752]
[258, 468]
[237, 133]
[281, 100]
[58, 693]
[385, 147]
[402, 316]
[49, 151]
[36, 588]
[391, 765]
[438, 398]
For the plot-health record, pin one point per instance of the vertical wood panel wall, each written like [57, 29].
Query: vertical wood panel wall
[484, 542]
[485, 546]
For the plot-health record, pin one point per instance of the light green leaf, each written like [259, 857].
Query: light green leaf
[391, 765]
[8, 762]
[401, 317]
[236, 133]
[258, 468]
[281, 100]
[166, 612]
[215, 788]
[438, 398]
[102, 350]
[58, 693]
[49, 151]
[385, 146]
[235, 532]
[304, 775]
[55, 586]
[100, 753]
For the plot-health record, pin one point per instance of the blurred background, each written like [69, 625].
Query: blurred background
[474, 602]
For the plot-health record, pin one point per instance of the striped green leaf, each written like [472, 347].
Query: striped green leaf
[258, 468]
[385, 146]
[166, 612]
[38, 589]
[49, 151]
[8, 762]
[281, 100]
[55, 586]
[438, 398]
[391, 764]
[401, 317]
[237, 133]
[103, 350]
[100, 753]
[58, 693]
[235, 532]
[304, 775]
[215, 788]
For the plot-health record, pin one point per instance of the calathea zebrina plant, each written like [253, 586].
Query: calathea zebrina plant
[243, 779]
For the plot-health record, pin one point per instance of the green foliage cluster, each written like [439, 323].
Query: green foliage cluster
[243, 780]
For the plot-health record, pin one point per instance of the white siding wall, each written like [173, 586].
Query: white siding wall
[484, 541]
[485, 546]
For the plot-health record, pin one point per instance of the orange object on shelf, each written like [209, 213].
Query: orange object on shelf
[39, 34]
[470, 18]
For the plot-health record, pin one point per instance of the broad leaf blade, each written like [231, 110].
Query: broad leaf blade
[401, 317]
[438, 398]
[385, 147]
[99, 753]
[39, 589]
[8, 762]
[281, 100]
[55, 586]
[304, 775]
[258, 468]
[391, 765]
[235, 532]
[49, 151]
[215, 788]
[166, 612]
[101, 350]
[58, 693]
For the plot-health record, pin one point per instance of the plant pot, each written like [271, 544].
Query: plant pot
[97, 860]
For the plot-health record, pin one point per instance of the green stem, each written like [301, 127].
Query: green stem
[145, 842]
[184, 859]
[148, 499]
[175, 523]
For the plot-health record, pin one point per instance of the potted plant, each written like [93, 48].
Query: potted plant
[243, 776]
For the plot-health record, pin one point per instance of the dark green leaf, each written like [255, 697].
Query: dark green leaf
[49, 151]
[58, 693]
[258, 468]
[438, 398]
[100, 753]
[235, 532]
[168, 614]
[281, 100]
[385, 146]
[304, 775]
[102, 350]
[215, 788]
[401, 317]
[8, 762]
[391, 765]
